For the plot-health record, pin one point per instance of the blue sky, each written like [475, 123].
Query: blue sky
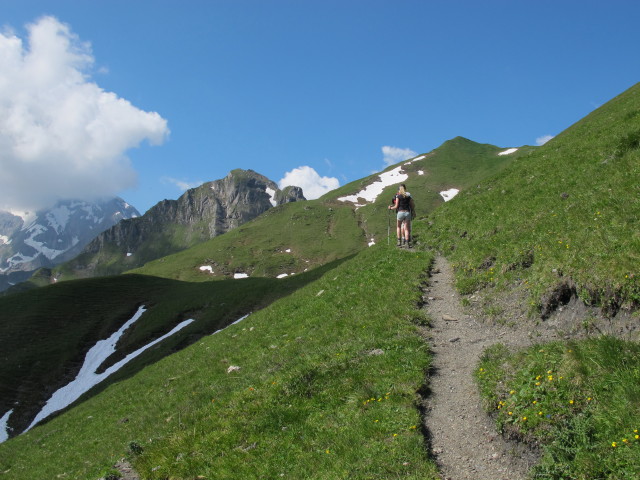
[144, 98]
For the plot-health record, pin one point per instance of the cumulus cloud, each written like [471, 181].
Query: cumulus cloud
[61, 135]
[312, 184]
[183, 185]
[544, 139]
[392, 155]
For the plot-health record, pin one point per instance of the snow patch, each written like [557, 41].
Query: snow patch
[206, 268]
[420, 172]
[4, 433]
[58, 217]
[237, 321]
[129, 254]
[508, 151]
[371, 192]
[4, 240]
[416, 159]
[87, 378]
[372, 242]
[272, 196]
[282, 275]
[449, 194]
[288, 250]
[240, 275]
[17, 259]
[40, 247]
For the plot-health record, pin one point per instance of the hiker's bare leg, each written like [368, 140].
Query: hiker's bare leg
[405, 230]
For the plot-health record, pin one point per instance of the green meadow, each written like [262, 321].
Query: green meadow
[561, 222]
[326, 388]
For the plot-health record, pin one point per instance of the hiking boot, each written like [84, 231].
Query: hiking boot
[399, 244]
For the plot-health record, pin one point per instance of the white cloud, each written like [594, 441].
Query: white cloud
[61, 135]
[392, 155]
[312, 184]
[544, 139]
[183, 185]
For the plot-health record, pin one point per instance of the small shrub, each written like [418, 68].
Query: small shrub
[135, 448]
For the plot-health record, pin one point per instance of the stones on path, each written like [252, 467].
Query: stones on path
[126, 470]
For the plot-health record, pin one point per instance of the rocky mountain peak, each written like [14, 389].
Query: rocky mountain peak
[199, 214]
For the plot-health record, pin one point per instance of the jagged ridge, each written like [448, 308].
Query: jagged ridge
[199, 214]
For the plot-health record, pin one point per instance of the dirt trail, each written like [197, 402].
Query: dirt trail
[463, 439]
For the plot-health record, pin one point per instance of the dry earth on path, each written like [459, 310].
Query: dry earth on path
[463, 438]
[461, 435]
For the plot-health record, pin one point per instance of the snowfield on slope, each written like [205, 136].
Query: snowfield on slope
[371, 192]
[87, 377]
[449, 194]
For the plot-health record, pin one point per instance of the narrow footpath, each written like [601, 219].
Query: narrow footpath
[463, 438]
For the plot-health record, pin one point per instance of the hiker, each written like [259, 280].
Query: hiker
[405, 208]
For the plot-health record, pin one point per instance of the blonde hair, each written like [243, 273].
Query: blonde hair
[402, 190]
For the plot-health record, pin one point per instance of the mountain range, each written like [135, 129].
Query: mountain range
[321, 375]
[237, 227]
[170, 226]
[51, 236]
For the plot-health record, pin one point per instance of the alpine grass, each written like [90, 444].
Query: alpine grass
[326, 388]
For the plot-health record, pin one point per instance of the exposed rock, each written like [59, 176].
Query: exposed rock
[198, 215]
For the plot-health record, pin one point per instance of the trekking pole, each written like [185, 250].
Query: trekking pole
[388, 225]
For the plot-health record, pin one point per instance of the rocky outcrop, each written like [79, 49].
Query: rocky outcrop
[172, 225]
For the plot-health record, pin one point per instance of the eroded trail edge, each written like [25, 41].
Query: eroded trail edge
[463, 438]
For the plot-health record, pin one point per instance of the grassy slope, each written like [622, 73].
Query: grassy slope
[314, 232]
[322, 230]
[311, 400]
[565, 212]
[50, 328]
[579, 399]
[303, 397]
[70, 317]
